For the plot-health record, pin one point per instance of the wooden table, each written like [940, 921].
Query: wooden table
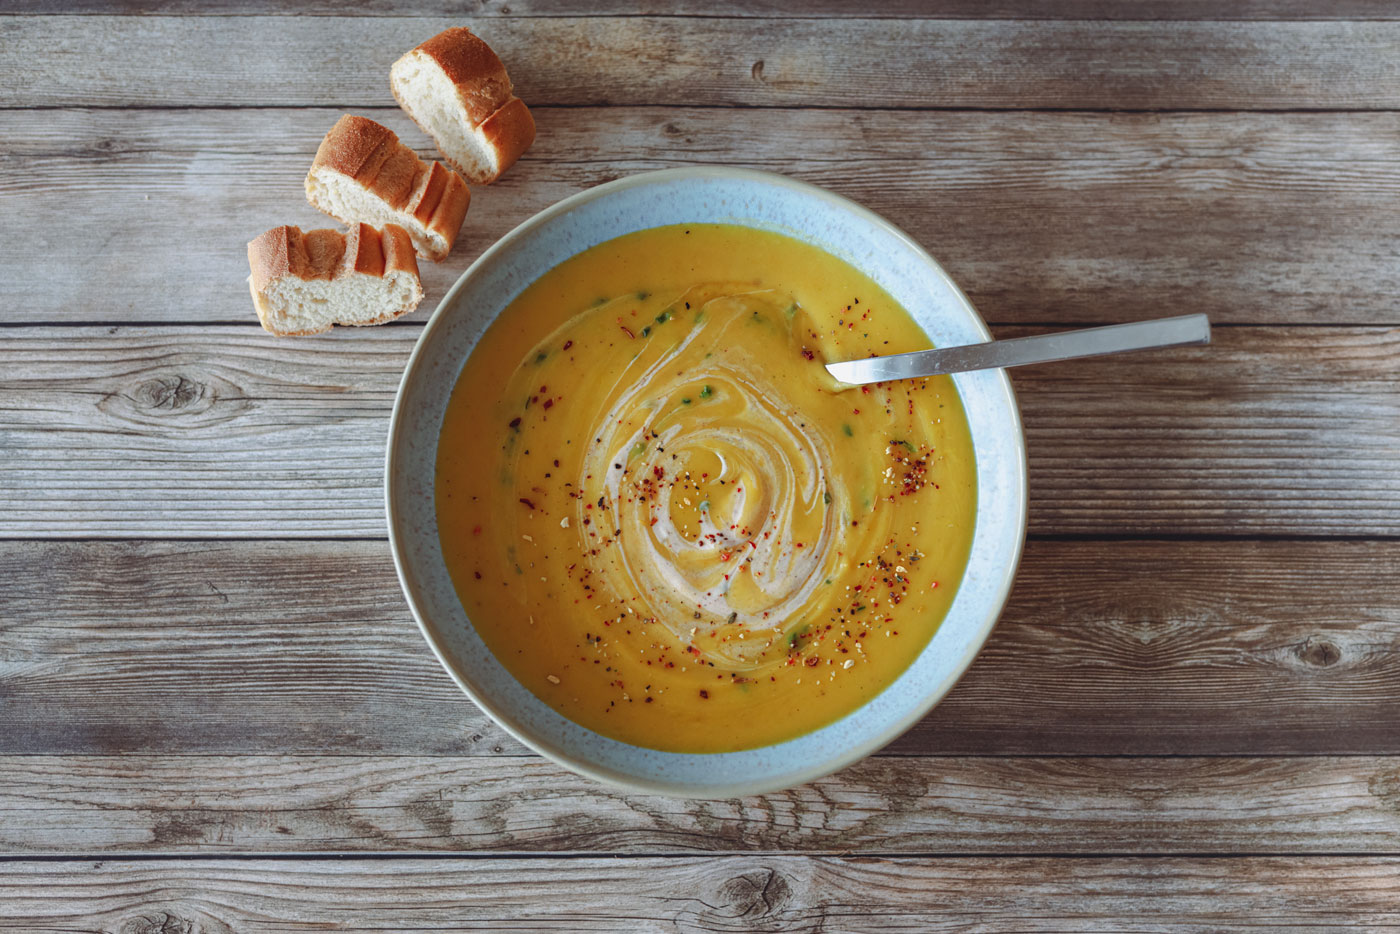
[216, 713]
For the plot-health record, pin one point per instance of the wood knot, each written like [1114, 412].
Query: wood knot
[1385, 786]
[168, 393]
[757, 70]
[757, 898]
[159, 923]
[174, 399]
[1319, 653]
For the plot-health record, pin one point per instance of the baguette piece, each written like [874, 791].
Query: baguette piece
[362, 173]
[457, 90]
[302, 283]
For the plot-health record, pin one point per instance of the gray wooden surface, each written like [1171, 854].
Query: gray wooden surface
[216, 713]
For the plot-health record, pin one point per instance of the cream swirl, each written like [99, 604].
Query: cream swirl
[706, 501]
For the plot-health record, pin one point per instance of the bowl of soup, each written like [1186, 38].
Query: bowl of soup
[644, 529]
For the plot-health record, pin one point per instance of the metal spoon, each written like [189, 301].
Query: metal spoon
[1042, 348]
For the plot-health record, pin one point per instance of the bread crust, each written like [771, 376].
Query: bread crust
[372, 156]
[442, 203]
[399, 255]
[328, 254]
[469, 63]
[286, 251]
[485, 93]
[510, 131]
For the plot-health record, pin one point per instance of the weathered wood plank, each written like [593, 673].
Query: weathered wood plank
[227, 431]
[1041, 217]
[1131, 10]
[707, 894]
[344, 61]
[1241, 648]
[172, 805]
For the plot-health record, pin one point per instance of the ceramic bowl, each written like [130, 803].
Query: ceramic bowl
[697, 195]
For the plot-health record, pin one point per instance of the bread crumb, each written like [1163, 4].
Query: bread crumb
[551, 679]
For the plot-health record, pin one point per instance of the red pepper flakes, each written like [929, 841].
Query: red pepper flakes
[515, 422]
[568, 344]
[527, 502]
[704, 694]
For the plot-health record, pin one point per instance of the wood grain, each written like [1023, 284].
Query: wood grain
[229, 432]
[170, 805]
[998, 64]
[1041, 217]
[707, 894]
[287, 648]
[1034, 10]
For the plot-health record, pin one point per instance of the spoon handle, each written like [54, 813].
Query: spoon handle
[1041, 348]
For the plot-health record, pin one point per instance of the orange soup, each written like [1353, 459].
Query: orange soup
[670, 523]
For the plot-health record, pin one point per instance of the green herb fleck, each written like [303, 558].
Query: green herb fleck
[663, 317]
[646, 331]
[539, 357]
[791, 310]
[826, 497]
[848, 432]
[643, 296]
[685, 400]
[706, 392]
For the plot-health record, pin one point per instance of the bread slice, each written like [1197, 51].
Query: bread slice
[363, 174]
[302, 283]
[457, 90]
